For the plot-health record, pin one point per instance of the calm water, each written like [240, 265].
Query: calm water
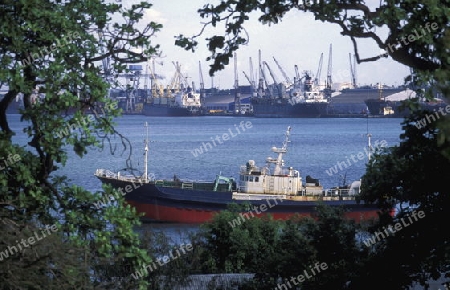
[316, 145]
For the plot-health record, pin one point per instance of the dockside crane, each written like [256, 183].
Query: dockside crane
[319, 71]
[288, 80]
[157, 90]
[179, 81]
[329, 81]
[262, 78]
[202, 84]
[251, 78]
[275, 82]
[297, 80]
[297, 73]
[248, 79]
[353, 69]
[237, 93]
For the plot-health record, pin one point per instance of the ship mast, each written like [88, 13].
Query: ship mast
[146, 154]
[369, 136]
[279, 161]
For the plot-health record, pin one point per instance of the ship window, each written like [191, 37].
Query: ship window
[242, 177]
[256, 178]
[251, 178]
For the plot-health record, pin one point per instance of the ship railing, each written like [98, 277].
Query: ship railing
[187, 185]
[260, 170]
[105, 173]
[160, 182]
[244, 169]
[131, 178]
[109, 174]
[338, 192]
[255, 196]
[168, 183]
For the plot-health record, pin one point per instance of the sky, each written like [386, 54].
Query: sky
[297, 40]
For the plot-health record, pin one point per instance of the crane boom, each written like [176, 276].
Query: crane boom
[264, 79]
[237, 94]
[202, 85]
[319, 70]
[271, 73]
[248, 79]
[297, 73]
[330, 68]
[288, 80]
[275, 82]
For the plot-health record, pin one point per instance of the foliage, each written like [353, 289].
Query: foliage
[357, 19]
[176, 271]
[413, 176]
[62, 50]
[276, 251]
[239, 249]
[412, 33]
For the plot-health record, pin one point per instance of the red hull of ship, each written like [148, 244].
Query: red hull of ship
[160, 213]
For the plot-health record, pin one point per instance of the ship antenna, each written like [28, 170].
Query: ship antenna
[279, 161]
[146, 154]
[369, 145]
[286, 140]
[368, 139]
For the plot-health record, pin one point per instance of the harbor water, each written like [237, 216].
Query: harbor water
[198, 148]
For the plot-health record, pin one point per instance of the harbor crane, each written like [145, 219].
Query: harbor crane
[202, 84]
[132, 79]
[262, 81]
[329, 81]
[248, 79]
[288, 80]
[262, 78]
[156, 88]
[179, 81]
[298, 79]
[297, 73]
[237, 93]
[319, 71]
[275, 82]
[252, 79]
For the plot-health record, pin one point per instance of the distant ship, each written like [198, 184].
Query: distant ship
[186, 102]
[391, 106]
[176, 99]
[273, 189]
[353, 102]
[307, 102]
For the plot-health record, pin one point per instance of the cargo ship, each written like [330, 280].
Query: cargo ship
[273, 189]
[308, 102]
[395, 109]
[390, 103]
[185, 102]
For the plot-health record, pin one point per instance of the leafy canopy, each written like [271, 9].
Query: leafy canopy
[61, 58]
[357, 19]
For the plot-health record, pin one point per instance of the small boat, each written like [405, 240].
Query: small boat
[271, 189]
